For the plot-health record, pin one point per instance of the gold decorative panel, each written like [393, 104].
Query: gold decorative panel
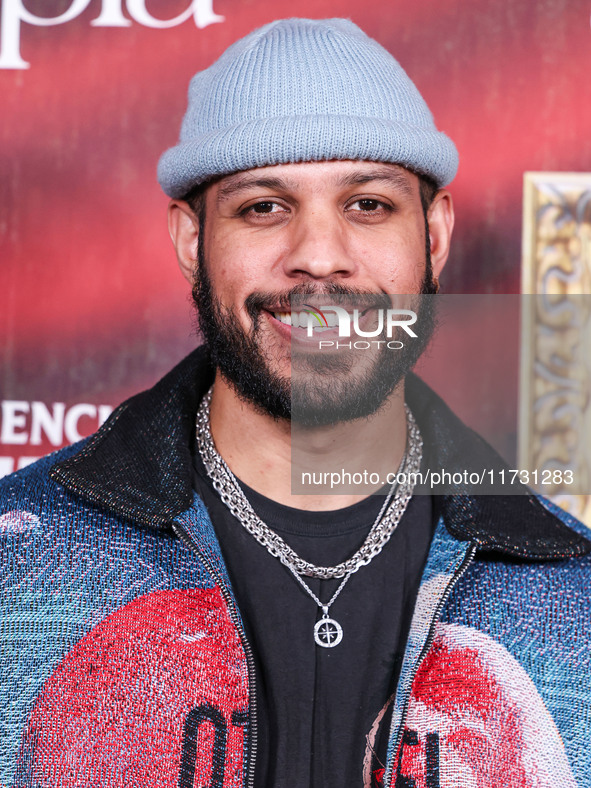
[555, 408]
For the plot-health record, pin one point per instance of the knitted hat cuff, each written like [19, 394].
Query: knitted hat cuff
[287, 140]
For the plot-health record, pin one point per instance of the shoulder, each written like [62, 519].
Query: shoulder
[530, 600]
[32, 490]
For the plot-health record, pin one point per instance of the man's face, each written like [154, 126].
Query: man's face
[312, 228]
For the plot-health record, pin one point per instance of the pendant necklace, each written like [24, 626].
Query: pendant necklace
[328, 633]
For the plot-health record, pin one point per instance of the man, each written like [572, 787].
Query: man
[174, 614]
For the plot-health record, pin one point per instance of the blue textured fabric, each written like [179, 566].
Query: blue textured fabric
[503, 661]
[301, 90]
[539, 615]
[494, 688]
[445, 557]
[124, 661]
[106, 631]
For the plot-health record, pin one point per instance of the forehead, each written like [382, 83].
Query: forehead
[318, 176]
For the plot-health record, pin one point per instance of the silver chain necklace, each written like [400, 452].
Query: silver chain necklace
[327, 632]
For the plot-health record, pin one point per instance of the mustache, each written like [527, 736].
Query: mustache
[296, 296]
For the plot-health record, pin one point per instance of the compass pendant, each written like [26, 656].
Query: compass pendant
[328, 633]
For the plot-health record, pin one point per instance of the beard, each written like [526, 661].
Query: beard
[322, 389]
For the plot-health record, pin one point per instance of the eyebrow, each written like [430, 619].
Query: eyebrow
[391, 177]
[245, 181]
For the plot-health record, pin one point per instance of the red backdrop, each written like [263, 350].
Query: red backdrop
[92, 307]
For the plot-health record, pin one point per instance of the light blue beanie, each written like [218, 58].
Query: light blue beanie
[304, 90]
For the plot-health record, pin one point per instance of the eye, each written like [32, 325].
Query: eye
[263, 207]
[369, 210]
[368, 205]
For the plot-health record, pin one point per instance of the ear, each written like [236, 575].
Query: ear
[183, 227]
[440, 218]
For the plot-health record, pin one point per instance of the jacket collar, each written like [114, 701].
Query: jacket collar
[138, 465]
[519, 525]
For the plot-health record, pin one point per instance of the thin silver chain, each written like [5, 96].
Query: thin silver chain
[382, 529]
[322, 605]
[325, 607]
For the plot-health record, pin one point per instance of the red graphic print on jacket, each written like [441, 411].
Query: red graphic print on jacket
[476, 720]
[156, 695]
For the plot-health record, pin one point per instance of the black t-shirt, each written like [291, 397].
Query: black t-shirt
[317, 707]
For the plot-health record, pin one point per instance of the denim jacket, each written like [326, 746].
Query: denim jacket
[124, 660]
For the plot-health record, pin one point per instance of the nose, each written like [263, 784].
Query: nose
[318, 247]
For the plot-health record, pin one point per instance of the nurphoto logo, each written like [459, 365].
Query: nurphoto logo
[382, 323]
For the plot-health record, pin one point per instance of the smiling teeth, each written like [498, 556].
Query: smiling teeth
[302, 319]
[283, 317]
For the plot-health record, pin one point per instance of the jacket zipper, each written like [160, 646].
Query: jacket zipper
[466, 561]
[235, 617]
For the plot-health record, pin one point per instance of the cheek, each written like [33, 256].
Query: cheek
[393, 257]
[240, 264]
[396, 268]
[232, 277]
[226, 268]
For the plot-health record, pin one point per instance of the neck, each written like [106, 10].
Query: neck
[286, 462]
